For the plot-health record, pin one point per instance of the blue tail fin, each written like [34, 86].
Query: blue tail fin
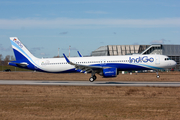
[20, 51]
[22, 55]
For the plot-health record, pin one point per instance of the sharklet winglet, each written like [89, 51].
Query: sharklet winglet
[79, 54]
[67, 60]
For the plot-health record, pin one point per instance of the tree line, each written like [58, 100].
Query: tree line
[8, 58]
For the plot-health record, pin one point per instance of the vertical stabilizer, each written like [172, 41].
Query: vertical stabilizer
[23, 57]
[20, 51]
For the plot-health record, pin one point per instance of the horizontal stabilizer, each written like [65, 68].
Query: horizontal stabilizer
[21, 64]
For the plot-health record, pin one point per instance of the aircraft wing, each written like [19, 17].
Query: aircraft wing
[84, 68]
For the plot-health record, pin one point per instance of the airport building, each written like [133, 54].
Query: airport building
[172, 51]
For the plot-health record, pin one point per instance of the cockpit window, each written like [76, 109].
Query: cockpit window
[167, 59]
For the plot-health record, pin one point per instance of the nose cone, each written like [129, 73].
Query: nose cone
[173, 63]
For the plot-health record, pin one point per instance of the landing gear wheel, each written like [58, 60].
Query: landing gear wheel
[158, 76]
[91, 79]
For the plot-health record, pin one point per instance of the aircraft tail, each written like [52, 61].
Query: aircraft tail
[23, 57]
[20, 51]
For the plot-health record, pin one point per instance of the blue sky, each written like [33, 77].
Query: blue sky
[46, 25]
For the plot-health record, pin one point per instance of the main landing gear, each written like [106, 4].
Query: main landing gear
[92, 78]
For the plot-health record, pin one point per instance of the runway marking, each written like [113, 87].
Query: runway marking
[87, 83]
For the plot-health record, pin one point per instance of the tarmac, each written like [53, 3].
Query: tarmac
[87, 83]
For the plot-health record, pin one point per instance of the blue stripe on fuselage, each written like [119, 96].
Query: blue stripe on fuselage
[124, 66]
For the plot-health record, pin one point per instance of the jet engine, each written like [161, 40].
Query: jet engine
[109, 72]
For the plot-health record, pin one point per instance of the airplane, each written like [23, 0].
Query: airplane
[106, 66]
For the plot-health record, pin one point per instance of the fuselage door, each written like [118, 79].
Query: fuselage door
[157, 61]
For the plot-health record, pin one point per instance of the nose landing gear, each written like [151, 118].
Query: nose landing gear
[158, 76]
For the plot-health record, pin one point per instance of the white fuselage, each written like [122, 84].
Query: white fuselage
[127, 62]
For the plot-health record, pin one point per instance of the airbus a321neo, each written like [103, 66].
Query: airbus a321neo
[106, 66]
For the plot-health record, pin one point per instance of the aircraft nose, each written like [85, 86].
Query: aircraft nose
[174, 63]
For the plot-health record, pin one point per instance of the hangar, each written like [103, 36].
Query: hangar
[172, 51]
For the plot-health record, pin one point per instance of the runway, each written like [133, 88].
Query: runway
[87, 83]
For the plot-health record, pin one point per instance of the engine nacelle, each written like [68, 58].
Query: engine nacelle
[109, 72]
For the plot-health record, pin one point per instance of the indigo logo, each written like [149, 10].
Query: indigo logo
[144, 59]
